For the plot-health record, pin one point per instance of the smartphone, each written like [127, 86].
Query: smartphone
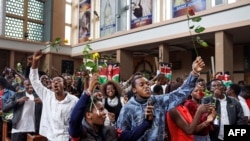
[150, 103]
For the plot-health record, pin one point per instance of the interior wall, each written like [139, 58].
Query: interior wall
[57, 63]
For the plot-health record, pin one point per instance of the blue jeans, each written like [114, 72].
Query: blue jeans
[201, 138]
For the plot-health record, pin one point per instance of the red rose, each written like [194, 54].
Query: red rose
[191, 12]
[201, 94]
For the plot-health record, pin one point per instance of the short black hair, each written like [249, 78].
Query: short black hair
[245, 91]
[134, 79]
[236, 88]
[158, 89]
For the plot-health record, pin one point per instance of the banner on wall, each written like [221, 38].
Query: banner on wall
[111, 72]
[141, 13]
[108, 18]
[165, 68]
[180, 7]
[84, 20]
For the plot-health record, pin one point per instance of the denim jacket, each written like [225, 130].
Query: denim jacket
[7, 94]
[132, 114]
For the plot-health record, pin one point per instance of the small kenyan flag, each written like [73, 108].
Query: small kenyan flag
[165, 68]
[112, 72]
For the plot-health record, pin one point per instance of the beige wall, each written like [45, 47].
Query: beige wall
[58, 24]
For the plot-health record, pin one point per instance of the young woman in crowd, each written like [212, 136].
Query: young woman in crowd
[113, 99]
[204, 125]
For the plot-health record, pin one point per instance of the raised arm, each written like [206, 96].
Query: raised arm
[78, 112]
[41, 90]
[177, 96]
[77, 115]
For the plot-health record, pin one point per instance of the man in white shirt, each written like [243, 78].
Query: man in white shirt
[228, 109]
[27, 108]
[57, 104]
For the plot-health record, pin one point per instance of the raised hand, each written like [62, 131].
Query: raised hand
[212, 115]
[37, 55]
[149, 115]
[35, 58]
[204, 108]
[94, 83]
[198, 65]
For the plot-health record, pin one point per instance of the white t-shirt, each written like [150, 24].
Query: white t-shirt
[223, 117]
[163, 87]
[244, 106]
[27, 120]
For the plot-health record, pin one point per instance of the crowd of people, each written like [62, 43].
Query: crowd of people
[79, 108]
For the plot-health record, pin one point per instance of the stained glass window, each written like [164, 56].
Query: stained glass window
[15, 7]
[35, 10]
[35, 31]
[16, 19]
[13, 28]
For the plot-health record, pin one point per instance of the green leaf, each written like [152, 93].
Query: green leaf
[90, 64]
[196, 19]
[58, 39]
[95, 69]
[204, 44]
[87, 46]
[84, 52]
[87, 56]
[191, 27]
[90, 48]
[199, 29]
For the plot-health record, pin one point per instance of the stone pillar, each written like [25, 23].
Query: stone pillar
[58, 16]
[224, 53]
[125, 58]
[12, 59]
[48, 61]
[48, 20]
[163, 53]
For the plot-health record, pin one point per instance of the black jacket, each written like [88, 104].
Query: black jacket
[234, 111]
[18, 108]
